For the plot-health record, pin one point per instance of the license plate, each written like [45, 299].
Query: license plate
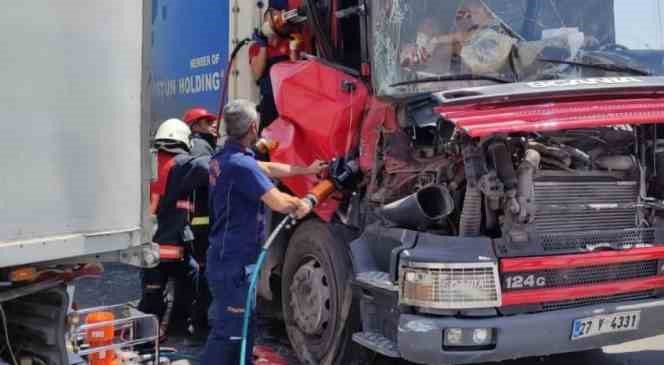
[610, 323]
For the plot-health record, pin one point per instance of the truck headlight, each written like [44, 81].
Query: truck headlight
[450, 285]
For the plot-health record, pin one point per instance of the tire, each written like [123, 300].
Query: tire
[315, 289]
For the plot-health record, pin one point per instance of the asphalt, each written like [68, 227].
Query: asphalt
[120, 284]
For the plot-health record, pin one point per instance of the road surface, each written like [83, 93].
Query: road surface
[121, 284]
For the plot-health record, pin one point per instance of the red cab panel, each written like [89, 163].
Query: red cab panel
[319, 118]
[311, 96]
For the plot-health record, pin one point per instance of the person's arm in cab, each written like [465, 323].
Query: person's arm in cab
[279, 170]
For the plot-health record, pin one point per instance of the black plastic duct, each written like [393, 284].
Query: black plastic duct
[422, 209]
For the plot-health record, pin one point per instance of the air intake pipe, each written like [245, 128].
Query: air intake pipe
[525, 191]
[420, 210]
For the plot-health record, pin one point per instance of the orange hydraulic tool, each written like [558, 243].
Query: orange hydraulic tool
[284, 20]
[320, 192]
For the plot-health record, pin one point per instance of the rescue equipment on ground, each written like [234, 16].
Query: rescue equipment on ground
[113, 335]
[100, 337]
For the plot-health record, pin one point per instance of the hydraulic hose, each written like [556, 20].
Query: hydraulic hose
[223, 92]
[249, 302]
[317, 194]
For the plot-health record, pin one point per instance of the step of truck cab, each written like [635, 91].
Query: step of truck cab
[378, 343]
[376, 279]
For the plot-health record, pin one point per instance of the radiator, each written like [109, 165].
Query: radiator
[589, 211]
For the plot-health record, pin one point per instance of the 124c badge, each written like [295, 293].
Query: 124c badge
[525, 281]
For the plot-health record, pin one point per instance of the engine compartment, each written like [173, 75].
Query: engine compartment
[534, 193]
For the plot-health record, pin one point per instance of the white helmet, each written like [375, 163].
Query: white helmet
[174, 130]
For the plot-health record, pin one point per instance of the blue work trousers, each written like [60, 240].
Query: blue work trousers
[229, 291]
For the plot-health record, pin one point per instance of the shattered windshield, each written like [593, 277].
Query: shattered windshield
[432, 45]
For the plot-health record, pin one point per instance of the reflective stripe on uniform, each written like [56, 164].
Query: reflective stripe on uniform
[184, 204]
[170, 252]
[200, 221]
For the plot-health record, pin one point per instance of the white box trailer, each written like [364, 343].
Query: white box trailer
[74, 144]
[75, 149]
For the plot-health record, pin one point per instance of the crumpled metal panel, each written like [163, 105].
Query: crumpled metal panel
[318, 120]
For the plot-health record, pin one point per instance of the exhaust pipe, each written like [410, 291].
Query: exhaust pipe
[420, 210]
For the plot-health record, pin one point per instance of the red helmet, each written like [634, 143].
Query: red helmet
[193, 115]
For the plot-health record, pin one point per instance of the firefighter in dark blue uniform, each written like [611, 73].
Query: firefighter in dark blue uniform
[239, 185]
[179, 174]
[203, 125]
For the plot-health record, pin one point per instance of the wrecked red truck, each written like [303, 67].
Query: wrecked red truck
[500, 173]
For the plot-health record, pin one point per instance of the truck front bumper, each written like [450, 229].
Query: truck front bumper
[421, 337]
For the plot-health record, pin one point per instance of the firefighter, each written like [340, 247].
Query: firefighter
[203, 126]
[268, 49]
[239, 188]
[179, 175]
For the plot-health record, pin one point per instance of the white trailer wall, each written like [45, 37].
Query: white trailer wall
[70, 128]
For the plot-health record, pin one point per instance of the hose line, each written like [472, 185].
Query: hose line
[223, 92]
[250, 303]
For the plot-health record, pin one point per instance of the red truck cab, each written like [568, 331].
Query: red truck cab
[508, 185]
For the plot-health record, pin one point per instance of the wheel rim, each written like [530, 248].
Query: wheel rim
[310, 299]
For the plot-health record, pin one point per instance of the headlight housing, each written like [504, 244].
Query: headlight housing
[449, 285]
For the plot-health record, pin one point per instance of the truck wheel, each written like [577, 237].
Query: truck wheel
[316, 274]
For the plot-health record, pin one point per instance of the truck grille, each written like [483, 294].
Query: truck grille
[445, 286]
[580, 276]
[572, 241]
[568, 304]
